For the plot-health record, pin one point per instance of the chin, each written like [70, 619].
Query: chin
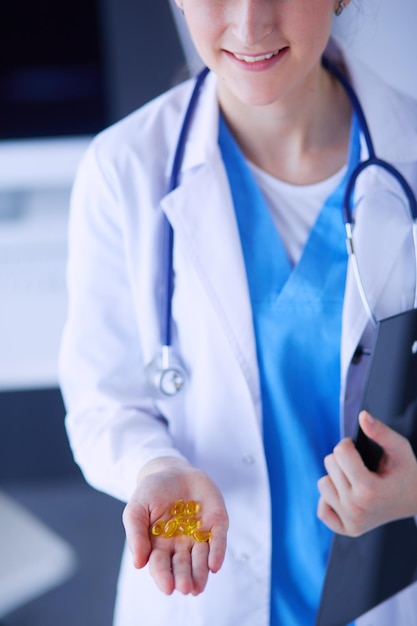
[259, 99]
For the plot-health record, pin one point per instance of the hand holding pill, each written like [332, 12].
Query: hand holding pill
[176, 522]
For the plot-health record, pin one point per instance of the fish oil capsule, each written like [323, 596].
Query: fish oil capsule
[193, 507]
[178, 508]
[185, 529]
[182, 524]
[158, 528]
[170, 528]
[202, 535]
[187, 524]
[193, 522]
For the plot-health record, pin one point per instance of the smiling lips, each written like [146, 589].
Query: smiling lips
[255, 59]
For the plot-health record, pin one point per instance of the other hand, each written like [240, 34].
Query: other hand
[353, 499]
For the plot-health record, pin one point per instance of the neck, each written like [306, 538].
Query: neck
[302, 138]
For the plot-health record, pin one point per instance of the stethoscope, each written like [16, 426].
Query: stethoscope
[166, 374]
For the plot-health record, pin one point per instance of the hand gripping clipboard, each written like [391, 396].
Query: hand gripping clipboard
[364, 571]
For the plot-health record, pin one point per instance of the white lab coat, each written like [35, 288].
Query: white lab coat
[112, 332]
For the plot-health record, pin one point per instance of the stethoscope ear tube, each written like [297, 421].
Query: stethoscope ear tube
[371, 161]
[348, 220]
[374, 161]
[358, 279]
[165, 374]
[168, 235]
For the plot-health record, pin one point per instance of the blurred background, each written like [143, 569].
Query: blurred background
[67, 70]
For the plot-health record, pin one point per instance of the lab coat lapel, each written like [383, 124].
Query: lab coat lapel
[202, 215]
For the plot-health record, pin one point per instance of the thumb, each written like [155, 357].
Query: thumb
[136, 523]
[379, 432]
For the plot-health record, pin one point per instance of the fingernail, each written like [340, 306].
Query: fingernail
[368, 417]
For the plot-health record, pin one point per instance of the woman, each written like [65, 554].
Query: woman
[266, 319]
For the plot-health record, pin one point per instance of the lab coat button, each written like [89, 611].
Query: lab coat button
[248, 459]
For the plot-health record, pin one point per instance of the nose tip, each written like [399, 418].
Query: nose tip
[253, 23]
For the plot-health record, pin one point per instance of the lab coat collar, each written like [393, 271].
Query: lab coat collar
[202, 139]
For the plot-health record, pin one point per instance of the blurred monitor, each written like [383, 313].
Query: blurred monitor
[70, 68]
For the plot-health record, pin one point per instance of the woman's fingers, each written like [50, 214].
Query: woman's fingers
[160, 568]
[217, 545]
[136, 523]
[182, 569]
[329, 516]
[362, 499]
[200, 568]
[181, 565]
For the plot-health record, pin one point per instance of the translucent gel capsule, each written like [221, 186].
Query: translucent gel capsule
[185, 529]
[193, 507]
[184, 520]
[170, 528]
[194, 522]
[158, 528]
[179, 508]
[202, 535]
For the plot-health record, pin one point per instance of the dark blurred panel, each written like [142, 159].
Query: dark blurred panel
[51, 69]
[144, 56]
[33, 442]
[73, 67]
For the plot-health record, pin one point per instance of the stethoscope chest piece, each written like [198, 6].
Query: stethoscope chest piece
[165, 375]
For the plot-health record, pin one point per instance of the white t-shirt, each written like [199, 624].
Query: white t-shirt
[295, 208]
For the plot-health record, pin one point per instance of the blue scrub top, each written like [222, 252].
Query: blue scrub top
[297, 314]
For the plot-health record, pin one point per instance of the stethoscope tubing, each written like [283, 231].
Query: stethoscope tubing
[372, 159]
[168, 233]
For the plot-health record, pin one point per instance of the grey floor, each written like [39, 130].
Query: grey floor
[91, 523]
[37, 470]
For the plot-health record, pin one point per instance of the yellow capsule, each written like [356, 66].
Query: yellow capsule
[202, 535]
[183, 518]
[170, 528]
[185, 529]
[178, 508]
[158, 528]
[193, 507]
[193, 521]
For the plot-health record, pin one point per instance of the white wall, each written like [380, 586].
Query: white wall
[383, 33]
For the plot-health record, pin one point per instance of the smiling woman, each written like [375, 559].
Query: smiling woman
[264, 317]
[267, 56]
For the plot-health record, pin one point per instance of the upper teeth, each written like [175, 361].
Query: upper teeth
[261, 57]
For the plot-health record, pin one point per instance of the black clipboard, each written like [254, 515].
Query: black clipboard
[365, 571]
